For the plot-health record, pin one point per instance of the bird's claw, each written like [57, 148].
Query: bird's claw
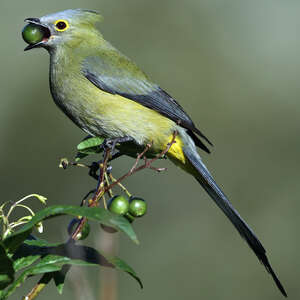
[110, 144]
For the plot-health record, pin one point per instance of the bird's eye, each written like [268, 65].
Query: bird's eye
[61, 25]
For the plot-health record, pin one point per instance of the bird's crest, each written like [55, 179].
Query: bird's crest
[79, 16]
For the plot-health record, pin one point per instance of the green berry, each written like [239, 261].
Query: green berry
[33, 34]
[137, 207]
[119, 205]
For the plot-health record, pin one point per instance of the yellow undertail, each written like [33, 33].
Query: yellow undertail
[177, 156]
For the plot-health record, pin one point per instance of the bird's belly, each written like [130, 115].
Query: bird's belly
[112, 116]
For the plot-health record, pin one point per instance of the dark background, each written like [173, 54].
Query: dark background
[234, 66]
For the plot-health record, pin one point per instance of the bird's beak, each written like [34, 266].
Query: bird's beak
[46, 30]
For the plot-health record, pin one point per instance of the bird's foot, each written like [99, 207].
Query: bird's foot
[110, 144]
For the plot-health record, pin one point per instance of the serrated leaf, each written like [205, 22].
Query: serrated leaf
[6, 269]
[99, 214]
[90, 143]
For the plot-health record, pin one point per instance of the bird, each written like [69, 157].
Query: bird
[107, 95]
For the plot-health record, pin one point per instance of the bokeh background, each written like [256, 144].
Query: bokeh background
[235, 67]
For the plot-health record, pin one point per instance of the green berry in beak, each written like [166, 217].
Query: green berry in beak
[33, 33]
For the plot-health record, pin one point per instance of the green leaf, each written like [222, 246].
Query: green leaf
[87, 254]
[123, 266]
[89, 143]
[93, 142]
[57, 260]
[25, 262]
[59, 278]
[99, 214]
[49, 263]
[91, 255]
[6, 269]
[13, 241]
[40, 243]
[30, 251]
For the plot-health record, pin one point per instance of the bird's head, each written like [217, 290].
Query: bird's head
[70, 27]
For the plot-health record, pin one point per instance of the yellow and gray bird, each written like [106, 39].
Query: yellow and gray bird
[104, 93]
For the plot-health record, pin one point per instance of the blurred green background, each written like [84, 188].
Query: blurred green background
[235, 67]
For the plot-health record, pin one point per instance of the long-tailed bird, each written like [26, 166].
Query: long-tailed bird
[106, 94]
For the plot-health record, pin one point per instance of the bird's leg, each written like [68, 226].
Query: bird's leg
[108, 144]
[111, 143]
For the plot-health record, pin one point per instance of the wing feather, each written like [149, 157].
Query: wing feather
[116, 74]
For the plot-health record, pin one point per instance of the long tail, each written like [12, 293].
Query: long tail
[207, 182]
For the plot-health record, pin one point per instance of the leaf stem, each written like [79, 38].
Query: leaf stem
[120, 185]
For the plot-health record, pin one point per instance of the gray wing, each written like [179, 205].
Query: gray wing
[117, 75]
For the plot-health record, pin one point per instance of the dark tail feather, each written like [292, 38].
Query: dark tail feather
[208, 183]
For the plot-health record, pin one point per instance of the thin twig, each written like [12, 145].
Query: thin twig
[120, 185]
[104, 201]
[147, 163]
[110, 192]
[97, 195]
